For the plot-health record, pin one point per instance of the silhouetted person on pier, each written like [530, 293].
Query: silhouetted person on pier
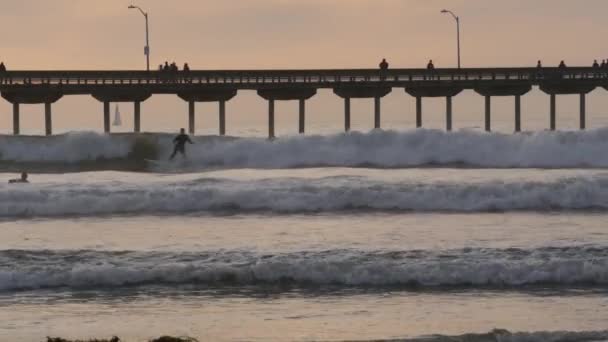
[539, 65]
[173, 67]
[2, 67]
[383, 65]
[23, 179]
[166, 66]
[186, 67]
[179, 143]
[430, 66]
[562, 65]
[595, 64]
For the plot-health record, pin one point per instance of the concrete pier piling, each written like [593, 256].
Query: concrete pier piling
[552, 112]
[301, 115]
[16, 129]
[362, 92]
[286, 94]
[488, 116]
[271, 119]
[136, 116]
[448, 113]
[191, 117]
[376, 112]
[418, 111]
[48, 124]
[106, 117]
[517, 113]
[346, 114]
[582, 117]
[222, 118]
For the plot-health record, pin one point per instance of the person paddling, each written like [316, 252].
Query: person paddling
[23, 179]
[180, 143]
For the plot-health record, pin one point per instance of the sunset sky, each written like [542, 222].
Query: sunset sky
[239, 34]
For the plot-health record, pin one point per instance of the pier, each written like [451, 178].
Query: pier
[220, 86]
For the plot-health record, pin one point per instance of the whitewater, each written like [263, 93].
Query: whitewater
[418, 235]
[360, 193]
[377, 148]
[414, 269]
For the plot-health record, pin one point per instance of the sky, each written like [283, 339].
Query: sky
[296, 34]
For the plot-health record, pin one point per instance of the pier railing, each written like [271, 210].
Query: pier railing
[318, 78]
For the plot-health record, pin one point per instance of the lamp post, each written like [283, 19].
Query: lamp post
[457, 31]
[147, 47]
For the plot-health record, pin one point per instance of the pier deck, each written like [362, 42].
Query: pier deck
[46, 87]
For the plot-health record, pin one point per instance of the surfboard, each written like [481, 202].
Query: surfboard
[156, 162]
[167, 165]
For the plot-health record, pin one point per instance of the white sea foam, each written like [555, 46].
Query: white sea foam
[71, 147]
[502, 335]
[376, 148]
[549, 266]
[301, 195]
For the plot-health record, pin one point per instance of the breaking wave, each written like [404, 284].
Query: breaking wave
[383, 149]
[502, 335]
[462, 268]
[301, 195]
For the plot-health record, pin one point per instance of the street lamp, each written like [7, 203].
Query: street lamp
[147, 47]
[457, 31]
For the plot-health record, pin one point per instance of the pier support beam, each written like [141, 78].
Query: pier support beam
[583, 112]
[15, 118]
[222, 105]
[552, 112]
[48, 125]
[136, 116]
[191, 117]
[302, 116]
[106, 116]
[488, 113]
[517, 113]
[418, 111]
[347, 114]
[376, 112]
[448, 112]
[270, 119]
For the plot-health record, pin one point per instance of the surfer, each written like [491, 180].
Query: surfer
[23, 179]
[179, 143]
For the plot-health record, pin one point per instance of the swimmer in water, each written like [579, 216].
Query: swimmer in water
[23, 179]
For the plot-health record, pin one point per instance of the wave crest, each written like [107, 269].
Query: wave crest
[502, 335]
[378, 148]
[297, 195]
[550, 266]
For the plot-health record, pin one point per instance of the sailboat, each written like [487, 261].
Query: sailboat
[117, 121]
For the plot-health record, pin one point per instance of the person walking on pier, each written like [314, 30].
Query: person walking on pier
[179, 143]
[2, 67]
[562, 65]
[595, 64]
[430, 66]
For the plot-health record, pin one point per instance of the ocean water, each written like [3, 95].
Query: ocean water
[386, 235]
